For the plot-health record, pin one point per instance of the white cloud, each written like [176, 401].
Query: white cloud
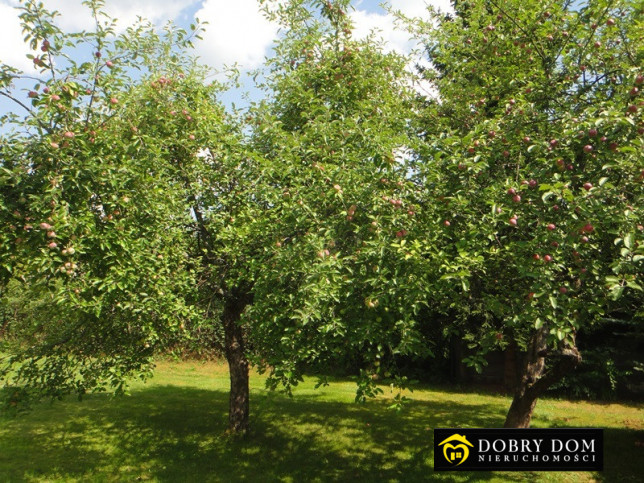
[75, 16]
[384, 24]
[236, 32]
[13, 50]
[418, 8]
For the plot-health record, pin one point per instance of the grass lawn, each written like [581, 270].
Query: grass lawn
[172, 429]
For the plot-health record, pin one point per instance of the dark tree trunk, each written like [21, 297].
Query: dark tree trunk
[535, 379]
[239, 407]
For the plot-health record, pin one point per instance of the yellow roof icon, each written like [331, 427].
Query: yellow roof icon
[457, 437]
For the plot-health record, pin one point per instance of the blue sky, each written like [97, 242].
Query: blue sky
[237, 32]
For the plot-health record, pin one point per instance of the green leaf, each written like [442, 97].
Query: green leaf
[466, 284]
[553, 301]
[547, 195]
[616, 292]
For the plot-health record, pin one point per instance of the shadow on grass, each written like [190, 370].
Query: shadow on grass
[170, 433]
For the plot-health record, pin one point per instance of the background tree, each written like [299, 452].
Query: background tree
[533, 148]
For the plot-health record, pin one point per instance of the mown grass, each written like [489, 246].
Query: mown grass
[173, 429]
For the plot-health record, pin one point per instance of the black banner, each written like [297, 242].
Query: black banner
[562, 449]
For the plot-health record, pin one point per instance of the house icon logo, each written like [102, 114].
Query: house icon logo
[456, 453]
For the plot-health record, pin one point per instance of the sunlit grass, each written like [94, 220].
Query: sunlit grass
[172, 429]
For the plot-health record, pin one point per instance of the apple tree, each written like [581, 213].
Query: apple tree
[94, 218]
[337, 126]
[533, 155]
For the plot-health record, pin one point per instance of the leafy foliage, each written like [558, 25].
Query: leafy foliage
[534, 152]
[93, 212]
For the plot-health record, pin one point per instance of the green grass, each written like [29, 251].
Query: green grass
[172, 429]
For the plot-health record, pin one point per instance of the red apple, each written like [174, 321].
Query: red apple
[588, 148]
[513, 221]
[114, 100]
[532, 183]
[592, 132]
[109, 64]
[446, 223]
[516, 198]
[551, 226]
[610, 22]
[588, 228]
[588, 186]
[536, 256]
[563, 290]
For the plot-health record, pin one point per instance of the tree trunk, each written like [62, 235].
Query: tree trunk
[535, 380]
[238, 410]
